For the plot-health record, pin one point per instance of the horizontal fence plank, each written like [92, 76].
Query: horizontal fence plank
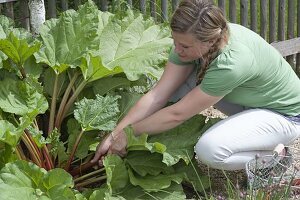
[288, 47]
[7, 1]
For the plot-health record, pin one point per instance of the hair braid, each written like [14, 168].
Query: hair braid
[209, 56]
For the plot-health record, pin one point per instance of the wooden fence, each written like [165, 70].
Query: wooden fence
[274, 20]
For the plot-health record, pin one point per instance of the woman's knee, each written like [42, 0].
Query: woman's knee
[211, 153]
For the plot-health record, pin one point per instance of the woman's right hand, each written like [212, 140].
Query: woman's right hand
[102, 149]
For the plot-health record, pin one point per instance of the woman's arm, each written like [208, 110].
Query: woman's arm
[173, 77]
[193, 103]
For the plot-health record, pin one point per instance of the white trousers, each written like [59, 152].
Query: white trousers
[230, 143]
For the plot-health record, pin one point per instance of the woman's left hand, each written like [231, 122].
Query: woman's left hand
[119, 144]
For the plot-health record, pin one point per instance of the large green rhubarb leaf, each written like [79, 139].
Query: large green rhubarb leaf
[154, 183]
[20, 98]
[6, 24]
[92, 69]
[153, 165]
[72, 36]
[172, 144]
[97, 114]
[193, 175]
[179, 141]
[174, 192]
[26, 181]
[18, 50]
[134, 44]
[116, 172]
[9, 133]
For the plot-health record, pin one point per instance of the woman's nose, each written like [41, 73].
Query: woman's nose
[178, 49]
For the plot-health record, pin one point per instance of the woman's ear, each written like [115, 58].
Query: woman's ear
[212, 42]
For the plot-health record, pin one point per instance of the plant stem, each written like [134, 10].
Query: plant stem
[34, 152]
[53, 106]
[64, 101]
[89, 174]
[82, 168]
[90, 181]
[48, 159]
[23, 73]
[20, 153]
[67, 167]
[72, 99]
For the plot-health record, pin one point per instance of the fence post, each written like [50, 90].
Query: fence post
[103, 5]
[9, 10]
[232, 11]
[164, 9]
[153, 9]
[64, 5]
[52, 8]
[221, 4]
[24, 16]
[298, 34]
[174, 5]
[244, 12]
[143, 6]
[76, 4]
[253, 15]
[263, 18]
[281, 19]
[290, 28]
[272, 21]
[129, 2]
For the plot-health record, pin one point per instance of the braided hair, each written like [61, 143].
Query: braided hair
[206, 22]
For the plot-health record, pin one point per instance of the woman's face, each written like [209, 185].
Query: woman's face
[188, 47]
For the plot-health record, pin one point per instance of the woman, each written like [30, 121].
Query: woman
[237, 71]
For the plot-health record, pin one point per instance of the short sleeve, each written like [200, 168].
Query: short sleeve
[228, 71]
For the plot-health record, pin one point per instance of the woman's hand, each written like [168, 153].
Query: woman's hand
[114, 143]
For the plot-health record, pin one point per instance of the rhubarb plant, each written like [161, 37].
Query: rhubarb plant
[61, 93]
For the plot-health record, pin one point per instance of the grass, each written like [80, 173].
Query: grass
[263, 188]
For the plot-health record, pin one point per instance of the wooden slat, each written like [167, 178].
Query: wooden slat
[6, 1]
[129, 2]
[164, 10]
[77, 3]
[272, 21]
[103, 5]
[232, 11]
[143, 6]
[244, 12]
[64, 5]
[298, 34]
[52, 9]
[174, 4]
[281, 20]
[153, 9]
[253, 14]
[24, 14]
[291, 19]
[288, 47]
[9, 10]
[290, 28]
[221, 4]
[263, 18]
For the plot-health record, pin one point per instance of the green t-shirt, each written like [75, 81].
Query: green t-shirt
[248, 71]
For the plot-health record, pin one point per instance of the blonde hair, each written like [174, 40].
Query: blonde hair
[206, 22]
